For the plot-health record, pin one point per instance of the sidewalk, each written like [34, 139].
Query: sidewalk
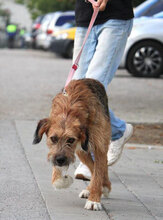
[137, 184]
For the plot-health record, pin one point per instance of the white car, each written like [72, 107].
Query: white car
[143, 54]
[57, 22]
[42, 36]
[50, 23]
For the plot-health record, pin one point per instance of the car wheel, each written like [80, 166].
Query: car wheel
[145, 59]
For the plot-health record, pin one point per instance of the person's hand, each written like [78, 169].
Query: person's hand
[101, 4]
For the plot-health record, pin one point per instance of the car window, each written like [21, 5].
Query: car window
[38, 19]
[155, 9]
[68, 25]
[158, 15]
[63, 19]
[141, 9]
[41, 18]
[47, 19]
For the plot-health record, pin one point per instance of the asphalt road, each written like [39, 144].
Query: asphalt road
[30, 79]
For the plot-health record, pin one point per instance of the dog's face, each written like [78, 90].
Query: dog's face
[64, 137]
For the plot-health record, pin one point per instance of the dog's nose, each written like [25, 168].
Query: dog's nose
[61, 160]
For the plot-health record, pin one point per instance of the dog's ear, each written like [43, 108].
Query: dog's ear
[85, 140]
[42, 127]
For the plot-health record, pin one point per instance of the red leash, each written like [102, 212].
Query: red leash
[75, 65]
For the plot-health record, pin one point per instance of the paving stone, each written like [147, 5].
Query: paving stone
[140, 183]
[20, 198]
[122, 204]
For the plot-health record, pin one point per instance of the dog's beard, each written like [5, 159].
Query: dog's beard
[63, 168]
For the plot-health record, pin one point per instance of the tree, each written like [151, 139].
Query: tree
[38, 7]
[20, 1]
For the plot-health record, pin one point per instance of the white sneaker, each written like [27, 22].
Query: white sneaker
[116, 147]
[82, 172]
[114, 153]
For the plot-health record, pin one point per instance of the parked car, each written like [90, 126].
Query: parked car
[56, 23]
[52, 22]
[148, 8]
[158, 15]
[42, 37]
[63, 40]
[143, 55]
[35, 27]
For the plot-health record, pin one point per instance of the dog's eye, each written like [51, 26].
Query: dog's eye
[54, 139]
[70, 140]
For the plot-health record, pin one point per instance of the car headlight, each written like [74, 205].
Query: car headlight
[62, 36]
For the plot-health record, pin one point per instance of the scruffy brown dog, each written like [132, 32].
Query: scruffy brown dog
[79, 123]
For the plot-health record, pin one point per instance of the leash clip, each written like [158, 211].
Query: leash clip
[64, 92]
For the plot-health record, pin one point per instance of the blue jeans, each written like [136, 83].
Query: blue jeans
[101, 57]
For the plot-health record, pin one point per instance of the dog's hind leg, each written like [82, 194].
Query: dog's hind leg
[106, 184]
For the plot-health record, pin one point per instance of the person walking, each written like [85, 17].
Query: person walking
[22, 37]
[101, 57]
[11, 30]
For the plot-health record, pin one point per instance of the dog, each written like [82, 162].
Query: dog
[79, 123]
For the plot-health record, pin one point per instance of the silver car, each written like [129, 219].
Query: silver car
[143, 54]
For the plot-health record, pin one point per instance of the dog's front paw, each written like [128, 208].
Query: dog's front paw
[84, 194]
[95, 206]
[63, 182]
